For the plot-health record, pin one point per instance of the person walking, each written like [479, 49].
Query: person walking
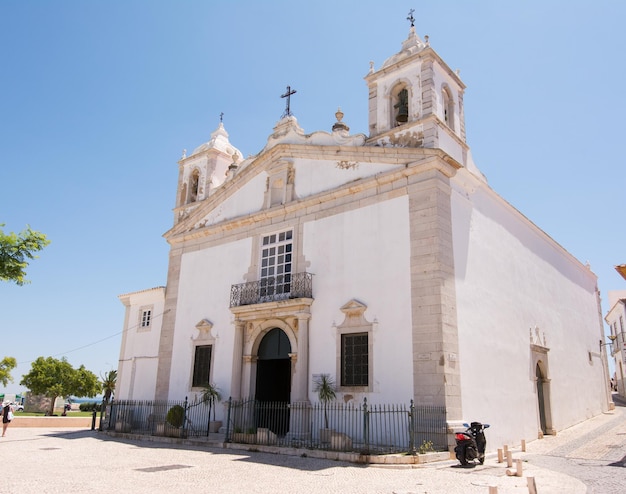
[7, 416]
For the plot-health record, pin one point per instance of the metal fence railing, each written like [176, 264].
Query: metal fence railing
[365, 428]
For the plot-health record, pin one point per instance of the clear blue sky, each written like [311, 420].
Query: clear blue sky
[99, 98]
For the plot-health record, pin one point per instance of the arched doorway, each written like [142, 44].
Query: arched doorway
[541, 399]
[273, 381]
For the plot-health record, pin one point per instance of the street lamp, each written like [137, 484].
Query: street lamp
[610, 337]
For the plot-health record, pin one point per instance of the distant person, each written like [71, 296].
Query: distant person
[7, 416]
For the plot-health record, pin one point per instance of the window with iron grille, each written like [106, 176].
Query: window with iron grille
[276, 258]
[354, 359]
[145, 318]
[202, 366]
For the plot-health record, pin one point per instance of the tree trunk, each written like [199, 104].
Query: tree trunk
[54, 399]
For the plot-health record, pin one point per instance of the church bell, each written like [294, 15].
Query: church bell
[403, 114]
[402, 106]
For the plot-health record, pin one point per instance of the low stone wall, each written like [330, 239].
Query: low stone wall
[54, 421]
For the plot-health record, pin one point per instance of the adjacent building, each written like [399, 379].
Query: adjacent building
[384, 260]
[617, 336]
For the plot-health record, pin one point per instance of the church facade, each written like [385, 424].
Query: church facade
[384, 260]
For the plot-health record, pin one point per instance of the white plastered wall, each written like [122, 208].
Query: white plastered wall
[510, 277]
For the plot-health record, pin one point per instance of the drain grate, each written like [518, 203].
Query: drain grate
[162, 468]
[48, 449]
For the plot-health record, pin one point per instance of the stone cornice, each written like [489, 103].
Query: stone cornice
[430, 118]
[300, 307]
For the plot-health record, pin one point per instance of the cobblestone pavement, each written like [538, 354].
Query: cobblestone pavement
[576, 461]
[593, 452]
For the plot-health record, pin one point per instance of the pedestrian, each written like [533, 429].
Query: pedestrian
[7, 416]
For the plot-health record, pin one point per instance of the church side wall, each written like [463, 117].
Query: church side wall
[363, 254]
[512, 278]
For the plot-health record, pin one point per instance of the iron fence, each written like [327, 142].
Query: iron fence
[365, 428]
[151, 417]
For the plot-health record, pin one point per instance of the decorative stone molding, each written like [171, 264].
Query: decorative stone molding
[347, 165]
[204, 328]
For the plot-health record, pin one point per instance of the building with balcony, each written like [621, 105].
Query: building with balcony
[385, 261]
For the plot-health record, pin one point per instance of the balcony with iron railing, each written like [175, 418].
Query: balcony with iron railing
[271, 289]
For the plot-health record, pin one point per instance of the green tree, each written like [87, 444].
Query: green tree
[7, 364]
[53, 378]
[108, 385]
[15, 252]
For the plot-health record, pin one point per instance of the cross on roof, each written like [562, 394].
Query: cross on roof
[411, 18]
[288, 103]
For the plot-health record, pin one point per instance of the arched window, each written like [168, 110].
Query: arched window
[447, 103]
[194, 182]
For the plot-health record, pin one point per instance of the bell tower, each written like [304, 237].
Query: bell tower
[204, 170]
[416, 100]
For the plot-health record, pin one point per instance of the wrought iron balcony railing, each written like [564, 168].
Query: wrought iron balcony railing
[270, 289]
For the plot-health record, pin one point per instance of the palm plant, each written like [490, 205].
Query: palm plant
[325, 389]
[108, 385]
[211, 395]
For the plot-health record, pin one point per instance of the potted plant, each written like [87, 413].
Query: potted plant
[247, 437]
[211, 395]
[175, 418]
[325, 389]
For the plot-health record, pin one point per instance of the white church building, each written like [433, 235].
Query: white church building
[384, 260]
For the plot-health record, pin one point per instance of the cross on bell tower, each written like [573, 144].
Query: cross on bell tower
[288, 102]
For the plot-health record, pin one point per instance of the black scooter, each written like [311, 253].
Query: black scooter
[470, 444]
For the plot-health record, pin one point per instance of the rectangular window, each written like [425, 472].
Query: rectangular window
[354, 359]
[621, 324]
[276, 258]
[145, 318]
[202, 366]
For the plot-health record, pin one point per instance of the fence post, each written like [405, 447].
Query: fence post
[102, 408]
[185, 419]
[412, 449]
[112, 413]
[366, 428]
[227, 438]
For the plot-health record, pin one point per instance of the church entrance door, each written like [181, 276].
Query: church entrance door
[273, 382]
[541, 399]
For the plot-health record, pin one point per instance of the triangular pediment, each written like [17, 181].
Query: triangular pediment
[309, 173]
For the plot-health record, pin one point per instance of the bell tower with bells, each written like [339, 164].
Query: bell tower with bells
[416, 100]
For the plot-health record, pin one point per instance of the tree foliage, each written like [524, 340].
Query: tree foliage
[7, 364]
[16, 250]
[53, 378]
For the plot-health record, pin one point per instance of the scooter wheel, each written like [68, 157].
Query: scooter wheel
[460, 455]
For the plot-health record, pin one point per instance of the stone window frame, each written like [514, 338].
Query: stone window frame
[447, 106]
[142, 324]
[202, 339]
[355, 323]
